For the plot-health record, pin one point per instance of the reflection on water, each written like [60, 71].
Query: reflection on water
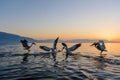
[16, 64]
[100, 64]
[25, 58]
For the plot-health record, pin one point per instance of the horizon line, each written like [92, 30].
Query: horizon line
[61, 39]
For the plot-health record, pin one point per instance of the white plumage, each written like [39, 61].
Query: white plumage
[100, 46]
[53, 49]
[68, 50]
[25, 44]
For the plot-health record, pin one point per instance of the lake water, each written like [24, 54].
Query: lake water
[85, 65]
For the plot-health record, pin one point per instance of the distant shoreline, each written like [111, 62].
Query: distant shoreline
[13, 38]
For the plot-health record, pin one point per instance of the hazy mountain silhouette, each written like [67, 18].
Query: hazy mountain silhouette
[8, 38]
[71, 41]
[83, 41]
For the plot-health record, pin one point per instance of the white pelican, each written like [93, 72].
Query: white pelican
[53, 50]
[25, 45]
[68, 50]
[100, 46]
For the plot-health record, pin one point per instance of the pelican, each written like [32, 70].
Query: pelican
[25, 45]
[53, 49]
[68, 50]
[100, 46]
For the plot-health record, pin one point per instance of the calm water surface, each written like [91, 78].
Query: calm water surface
[85, 65]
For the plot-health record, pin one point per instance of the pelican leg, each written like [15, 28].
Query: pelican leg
[66, 56]
[101, 53]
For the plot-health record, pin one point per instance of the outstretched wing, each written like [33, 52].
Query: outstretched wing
[45, 48]
[55, 43]
[74, 47]
[64, 44]
[95, 43]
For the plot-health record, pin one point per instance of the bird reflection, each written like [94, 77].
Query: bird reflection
[77, 56]
[100, 64]
[25, 58]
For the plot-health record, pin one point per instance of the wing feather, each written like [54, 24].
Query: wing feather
[55, 43]
[45, 48]
[74, 47]
[64, 44]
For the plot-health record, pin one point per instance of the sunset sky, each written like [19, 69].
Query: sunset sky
[68, 19]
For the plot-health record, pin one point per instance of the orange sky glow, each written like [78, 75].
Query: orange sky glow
[46, 19]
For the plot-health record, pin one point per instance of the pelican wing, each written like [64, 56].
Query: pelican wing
[95, 43]
[74, 47]
[45, 48]
[64, 44]
[103, 47]
[55, 43]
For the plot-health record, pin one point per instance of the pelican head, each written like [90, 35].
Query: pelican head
[101, 41]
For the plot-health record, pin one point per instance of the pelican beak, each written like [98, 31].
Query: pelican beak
[92, 44]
